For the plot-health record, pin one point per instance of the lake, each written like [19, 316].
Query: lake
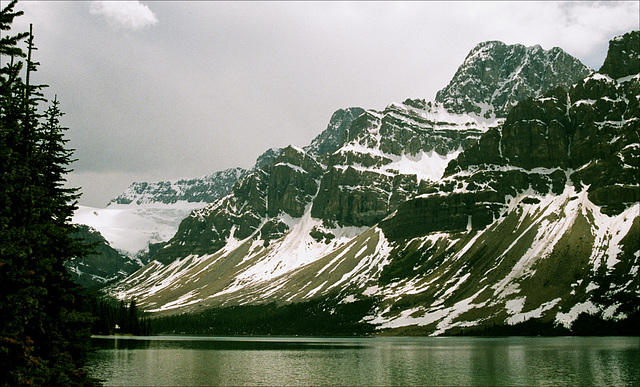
[380, 361]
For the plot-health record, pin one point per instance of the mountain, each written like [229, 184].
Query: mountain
[357, 185]
[433, 217]
[622, 58]
[147, 214]
[333, 136]
[365, 163]
[548, 229]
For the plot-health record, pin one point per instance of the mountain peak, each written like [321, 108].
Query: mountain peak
[333, 136]
[623, 57]
[495, 76]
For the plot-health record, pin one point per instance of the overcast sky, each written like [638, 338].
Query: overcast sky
[166, 90]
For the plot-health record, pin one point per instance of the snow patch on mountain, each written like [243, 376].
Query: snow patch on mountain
[425, 165]
[293, 251]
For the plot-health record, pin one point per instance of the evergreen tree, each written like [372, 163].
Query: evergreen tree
[43, 331]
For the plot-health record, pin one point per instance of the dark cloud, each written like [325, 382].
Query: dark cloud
[163, 90]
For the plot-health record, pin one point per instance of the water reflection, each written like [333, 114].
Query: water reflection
[367, 361]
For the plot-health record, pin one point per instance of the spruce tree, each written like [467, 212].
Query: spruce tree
[43, 331]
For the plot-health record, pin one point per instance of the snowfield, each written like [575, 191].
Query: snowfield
[130, 228]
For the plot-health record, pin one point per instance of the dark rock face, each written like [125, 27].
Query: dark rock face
[267, 158]
[351, 197]
[404, 130]
[292, 182]
[485, 151]
[469, 201]
[362, 184]
[285, 186]
[495, 76]
[623, 57]
[598, 120]
[206, 230]
[102, 267]
[535, 133]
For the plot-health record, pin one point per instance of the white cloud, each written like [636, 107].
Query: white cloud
[131, 15]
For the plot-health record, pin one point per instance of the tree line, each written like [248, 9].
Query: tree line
[117, 317]
[316, 317]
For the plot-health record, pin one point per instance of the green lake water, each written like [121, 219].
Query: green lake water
[380, 361]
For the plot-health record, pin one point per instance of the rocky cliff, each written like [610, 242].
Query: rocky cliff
[365, 163]
[495, 76]
[623, 59]
[540, 219]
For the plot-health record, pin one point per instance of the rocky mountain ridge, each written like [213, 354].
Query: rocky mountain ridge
[205, 189]
[554, 213]
[372, 162]
[361, 167]
[148, 214]
[357, 185]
